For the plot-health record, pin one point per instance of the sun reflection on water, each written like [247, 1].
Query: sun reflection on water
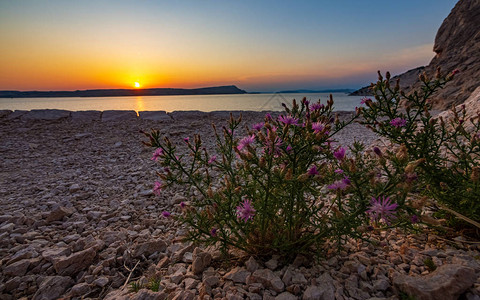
[139, 104]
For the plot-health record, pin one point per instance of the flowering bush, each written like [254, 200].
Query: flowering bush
[443, 155]
[282, 186]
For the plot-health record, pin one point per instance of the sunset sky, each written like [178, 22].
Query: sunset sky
[256, 45]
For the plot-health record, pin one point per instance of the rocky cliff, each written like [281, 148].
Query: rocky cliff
[407, 80]
[457, 46]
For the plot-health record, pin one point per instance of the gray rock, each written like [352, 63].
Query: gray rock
[119, 295]
[18, 268]
[148, 248]
[118, 115]
[446, 282]
[299, 278]
[313, 293]
[80, 289]
[325, 283]
[251, 264]
[86, 116]
[74, 263]
[101, 281]
[52, 254]
[58, 214]
[46, 114]
[237, 275]
[286, 296]
[190, 283]
[211, 281]
[272, 264]
[268, 279]
[52, 287]
[4, 113]
[287, 276]
[201, 260]
[74, 188]
[154, 115]
[7, 227]
[189, 114]
[16, 114]
[381, 285]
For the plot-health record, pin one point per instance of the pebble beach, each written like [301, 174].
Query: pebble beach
[79, 220]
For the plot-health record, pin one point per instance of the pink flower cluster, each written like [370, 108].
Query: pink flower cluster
[157, 154]
[398, 122]
[382, 208]
[245, 210]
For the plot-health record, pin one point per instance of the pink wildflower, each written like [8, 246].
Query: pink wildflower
[182, 205]
[273, 147]
[213, 232]
[288, 120]
[166, 214]
[212, 159]
[317, 127]
[377, 151]
[158, 153]
[316, 106]
[414, 219]
[313, 171]
[186, 139]
[456, 71]
[398, 122]
[338, 171]
[248, 140]
[157, 188]
[340, 153]
[365, 100]
[258, 126]
[338, 185]
[289, 148]
[245, 210]
[381, 208]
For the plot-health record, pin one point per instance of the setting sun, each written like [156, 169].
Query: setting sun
[136, 85]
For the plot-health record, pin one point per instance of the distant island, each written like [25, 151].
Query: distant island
[218, 90]
[316, 91]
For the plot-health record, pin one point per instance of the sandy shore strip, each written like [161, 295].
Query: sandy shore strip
[77, 214]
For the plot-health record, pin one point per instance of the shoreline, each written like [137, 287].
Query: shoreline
[126, 115]
[77, 208]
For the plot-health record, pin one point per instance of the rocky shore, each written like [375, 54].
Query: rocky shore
[79, 220]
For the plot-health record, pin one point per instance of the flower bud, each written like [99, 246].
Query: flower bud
[410, 168]
[303, 177]
[402, 153]
[380, 77]
[475, 176]
[210, 192]
[438, 75]
[288, 176]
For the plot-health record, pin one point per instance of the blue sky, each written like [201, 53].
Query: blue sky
[256, 45]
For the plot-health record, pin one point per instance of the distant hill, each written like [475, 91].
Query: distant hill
[317, 91]
[229, 89]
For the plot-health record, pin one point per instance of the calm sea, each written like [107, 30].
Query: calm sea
[206, 103]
